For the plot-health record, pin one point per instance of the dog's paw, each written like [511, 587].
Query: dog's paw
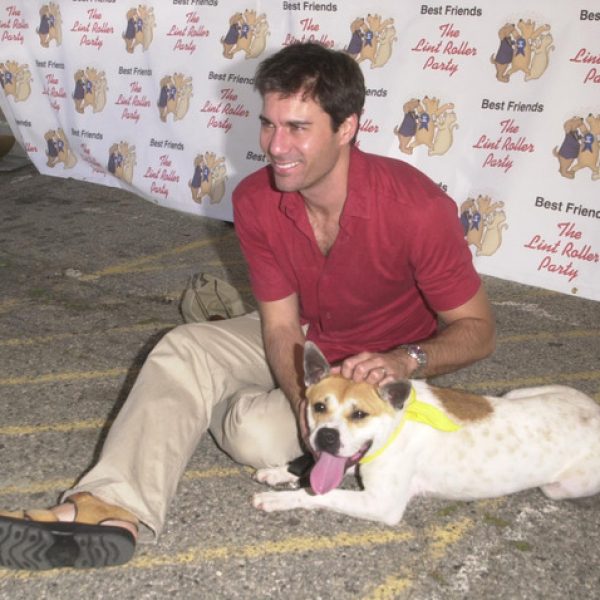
[276, 476]
[272, 501]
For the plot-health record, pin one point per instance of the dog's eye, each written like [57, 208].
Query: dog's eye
[319, 407]
[357, 415]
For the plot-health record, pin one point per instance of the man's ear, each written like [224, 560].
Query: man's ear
[395, 392]
[316, 366]
[349, 128]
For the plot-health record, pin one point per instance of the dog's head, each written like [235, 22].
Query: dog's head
[345, 418]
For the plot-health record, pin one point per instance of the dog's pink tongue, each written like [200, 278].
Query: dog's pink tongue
[327, 473]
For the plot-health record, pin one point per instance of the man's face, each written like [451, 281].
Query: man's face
[297, 137]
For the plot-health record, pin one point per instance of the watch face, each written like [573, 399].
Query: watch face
[419, 355]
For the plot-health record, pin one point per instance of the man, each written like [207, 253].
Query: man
[359, 253]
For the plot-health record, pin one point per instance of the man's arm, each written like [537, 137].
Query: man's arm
[468, 336]
[284, 342]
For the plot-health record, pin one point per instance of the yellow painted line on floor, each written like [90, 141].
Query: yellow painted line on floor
[438, 539]
[193, 266]
[545, 335]
[47, 339]
[8, 303]
[216, 472]
[41, 487]
[552, 378]
[441, 537]
[291, 545]
[390, 588]
[56, 337]
[200, 554]
[59, 485]
[63, 377]
[479, 385]
[18, 430]
[132, 265]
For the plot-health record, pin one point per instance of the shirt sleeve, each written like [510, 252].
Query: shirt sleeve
[440, 255]
[267, 277]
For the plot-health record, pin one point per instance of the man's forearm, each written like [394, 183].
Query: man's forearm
[469, 336]
[458, 345]
[284, 348]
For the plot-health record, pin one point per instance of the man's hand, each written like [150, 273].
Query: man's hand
[377, 367]
[302, 407]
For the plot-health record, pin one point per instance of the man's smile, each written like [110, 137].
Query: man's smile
[284, 166]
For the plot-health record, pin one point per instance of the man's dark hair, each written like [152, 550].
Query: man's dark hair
[331, 78]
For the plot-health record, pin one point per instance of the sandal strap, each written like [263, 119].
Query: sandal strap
[42, 515]
[35, 514]
[93, 511]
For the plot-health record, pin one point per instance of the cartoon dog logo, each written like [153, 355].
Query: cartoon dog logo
[210, 175]
[90, 89]
[175, 94]
[140, 28]
[372, 39]
[121, 161]
[247, 33]
[522, 48]
[50, 27]
[15, 80]
[58, 149]
[580, 148]
[426, 122]
[483, 222]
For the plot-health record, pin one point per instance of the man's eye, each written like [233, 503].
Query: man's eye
[357, 415]
[319, 407]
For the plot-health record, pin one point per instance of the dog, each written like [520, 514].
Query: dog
[503, 58]
[412, 439]
[444, 136]
[407, 129]
[427, 121]
[541, 48]
[492, 239]
[521, 60]
[384, 49]
[589, 150]
[570, 147]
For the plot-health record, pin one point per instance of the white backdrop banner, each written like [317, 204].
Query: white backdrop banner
[497, 102]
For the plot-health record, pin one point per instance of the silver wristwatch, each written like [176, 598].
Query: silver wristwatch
[419, 355]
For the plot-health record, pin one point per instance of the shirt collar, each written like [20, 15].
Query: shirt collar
[358, 203]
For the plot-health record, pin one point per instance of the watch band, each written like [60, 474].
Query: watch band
[419, 355]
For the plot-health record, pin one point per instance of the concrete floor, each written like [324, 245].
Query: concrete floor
[90, 278]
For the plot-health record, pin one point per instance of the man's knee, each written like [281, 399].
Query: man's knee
[259, 430]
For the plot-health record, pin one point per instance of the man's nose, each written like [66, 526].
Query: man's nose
[278, 143]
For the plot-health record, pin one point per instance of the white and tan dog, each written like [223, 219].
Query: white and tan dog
[412, 439]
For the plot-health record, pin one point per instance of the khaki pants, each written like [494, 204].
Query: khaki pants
[199, 376]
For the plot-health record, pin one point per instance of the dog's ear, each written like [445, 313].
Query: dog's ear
[395, 392]
[316, 366]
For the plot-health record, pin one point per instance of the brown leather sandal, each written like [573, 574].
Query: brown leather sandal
[37, 540]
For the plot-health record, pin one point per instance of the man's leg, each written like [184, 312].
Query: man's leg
[192, 370]
[198, 374]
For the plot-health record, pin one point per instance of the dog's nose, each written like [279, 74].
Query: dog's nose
[328, 439]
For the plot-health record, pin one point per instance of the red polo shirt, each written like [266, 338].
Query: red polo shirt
[399, 257]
